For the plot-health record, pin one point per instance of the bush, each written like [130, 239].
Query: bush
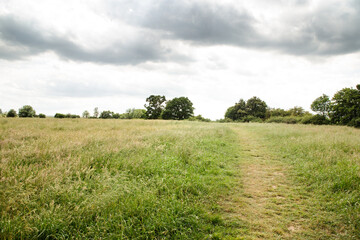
[287, 120]
[199, 118]
[316, 120]
[354, 123]
[59, 115]
[27, 111]
[41, 115]
[11, 113]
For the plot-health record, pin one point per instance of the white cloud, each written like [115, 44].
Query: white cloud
[71, 56]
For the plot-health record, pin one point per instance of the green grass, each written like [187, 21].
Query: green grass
[325, 163]
[136, 179]
[113, 179]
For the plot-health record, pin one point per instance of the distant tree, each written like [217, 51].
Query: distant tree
[155, 106]
[243, 111]
[11, 113]
[178, 109]
[116, 115]
[1, 112]
[26, 111]
[106, 114]
[256, 107]
[86, 114]
[59, 115]
[321, 105]
[345, 106]
[41, 115]
[96, 112]
[133, 113]
[297, 111]
[277, 112]
[236, 112]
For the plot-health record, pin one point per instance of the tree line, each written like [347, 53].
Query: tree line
[342, 109]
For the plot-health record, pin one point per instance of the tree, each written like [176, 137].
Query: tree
[237, 112]
[96, 112]
[253, 108]
[1, 112]
[155, 106]
[41, 115]
[321, 105]
[297, 111]
[11, 113]
[345, 106]
[26, 111]
[256, 107]
[106, 114]
[86, 114]
[133, 113]
[178, 109]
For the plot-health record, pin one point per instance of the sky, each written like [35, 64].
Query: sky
[70, 56]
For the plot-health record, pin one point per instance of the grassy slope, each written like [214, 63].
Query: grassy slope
[325, 162]
[114, 179]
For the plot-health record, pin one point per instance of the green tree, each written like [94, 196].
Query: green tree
[11, 113]
[155, 106]
[26, 111]
[96, 112]
[133, 113]
[41, 115]
[297, 111]
[256, 107]
[178, 109]
[321, 105]
[345, 106]
[106, 114]
[237, 112]
[86, 114]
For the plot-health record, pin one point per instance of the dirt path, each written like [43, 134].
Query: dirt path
[267, 203]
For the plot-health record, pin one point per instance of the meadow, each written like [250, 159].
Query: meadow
[144, 179]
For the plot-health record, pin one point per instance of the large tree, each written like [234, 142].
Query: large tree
[236, 112]
[321, 105]
[155, 106]
[256, 107]
[345, 106]
[178, 109]
[27, 111]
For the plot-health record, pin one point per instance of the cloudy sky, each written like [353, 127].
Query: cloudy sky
[71, 56]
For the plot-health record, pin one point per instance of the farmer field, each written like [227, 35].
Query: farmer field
[137, 179]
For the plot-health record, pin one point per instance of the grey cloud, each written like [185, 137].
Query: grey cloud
[324, 31]
[22, 39]
[200, 23]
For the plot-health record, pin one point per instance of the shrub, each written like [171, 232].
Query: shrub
[11, 113]
[316, 120]
[41, 115]
[288, 120]
[26, 111]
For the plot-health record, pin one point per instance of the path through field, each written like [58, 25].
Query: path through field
[268, 204]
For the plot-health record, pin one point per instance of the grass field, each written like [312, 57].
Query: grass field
[136, 179]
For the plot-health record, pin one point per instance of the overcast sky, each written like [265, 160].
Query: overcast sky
[71, 56]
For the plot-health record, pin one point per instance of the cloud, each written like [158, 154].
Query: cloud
[328, 29]
[21, 39]
[298, 27]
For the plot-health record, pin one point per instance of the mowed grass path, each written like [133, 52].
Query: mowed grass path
[120, 179]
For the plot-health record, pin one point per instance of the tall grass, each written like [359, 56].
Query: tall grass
[326, 160]
[78, 178]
